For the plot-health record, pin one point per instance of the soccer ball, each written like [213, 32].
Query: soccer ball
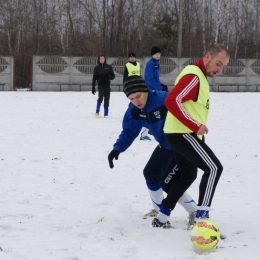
[205, 235]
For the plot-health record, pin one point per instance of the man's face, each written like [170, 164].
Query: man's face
[102, 59]
[157, 56]
[132, 59]
[216, 64]
[138, 99]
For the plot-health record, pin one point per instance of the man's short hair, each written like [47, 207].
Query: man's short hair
[215, 49]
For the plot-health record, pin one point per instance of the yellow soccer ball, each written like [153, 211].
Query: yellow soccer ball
[205, 235]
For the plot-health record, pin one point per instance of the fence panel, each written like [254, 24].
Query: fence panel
[6, 73]
[60, 73]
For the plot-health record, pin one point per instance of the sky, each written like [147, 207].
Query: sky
[61, 201]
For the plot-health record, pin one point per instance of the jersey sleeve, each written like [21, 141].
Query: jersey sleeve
[131, 129]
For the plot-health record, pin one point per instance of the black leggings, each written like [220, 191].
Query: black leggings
[191, 153]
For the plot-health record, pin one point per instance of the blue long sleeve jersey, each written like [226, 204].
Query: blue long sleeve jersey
[152, 74]
[152, 116]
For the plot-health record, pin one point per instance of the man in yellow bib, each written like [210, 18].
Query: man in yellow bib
[188, 106]
[132, 67]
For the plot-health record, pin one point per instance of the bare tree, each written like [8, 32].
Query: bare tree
[180, 20]
[256, 27]
[203, 26]
[115, 27]
[217, 21]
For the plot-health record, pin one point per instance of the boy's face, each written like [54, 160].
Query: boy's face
[157, 56]
[132, 59]
[138, 99]
[102, 59]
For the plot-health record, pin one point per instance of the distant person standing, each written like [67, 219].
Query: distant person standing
[102, 75]
[132, 67]
[152, 79]
[152, 71]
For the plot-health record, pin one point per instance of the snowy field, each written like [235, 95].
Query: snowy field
[61, 201]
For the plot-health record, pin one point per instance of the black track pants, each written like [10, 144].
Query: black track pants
[191, 153]
[104, 93]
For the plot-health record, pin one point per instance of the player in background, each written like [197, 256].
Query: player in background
[152, 71]
[152, 79]
[133, 68]
[102, 75]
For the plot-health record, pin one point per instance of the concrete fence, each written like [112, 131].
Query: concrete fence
[63, 73]
[57, 73]
[6, 73]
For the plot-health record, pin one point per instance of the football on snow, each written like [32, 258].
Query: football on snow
[205, 235]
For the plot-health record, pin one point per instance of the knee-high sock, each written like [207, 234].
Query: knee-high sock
[156, 194]
[187, 202]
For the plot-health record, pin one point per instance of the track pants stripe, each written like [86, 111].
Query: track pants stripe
[209, 162]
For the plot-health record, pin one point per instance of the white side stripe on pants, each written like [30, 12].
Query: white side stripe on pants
[209, 162]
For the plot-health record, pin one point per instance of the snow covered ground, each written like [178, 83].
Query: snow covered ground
[61, 201]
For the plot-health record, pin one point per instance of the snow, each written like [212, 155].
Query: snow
[60, 200]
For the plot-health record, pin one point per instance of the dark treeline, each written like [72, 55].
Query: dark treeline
[115, 27]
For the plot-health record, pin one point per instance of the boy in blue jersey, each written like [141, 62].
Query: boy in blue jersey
[152, 79]
[152, 71]
[148, 110]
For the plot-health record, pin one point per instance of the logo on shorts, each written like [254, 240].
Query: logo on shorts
[173, 172]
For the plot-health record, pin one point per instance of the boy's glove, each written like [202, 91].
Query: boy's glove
[112, 155]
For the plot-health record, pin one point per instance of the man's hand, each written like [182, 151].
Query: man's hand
[202, 130]
[93, 90]
[113, 155]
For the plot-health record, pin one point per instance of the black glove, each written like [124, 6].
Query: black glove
[112, 155]
[93, 90]
[164, 87]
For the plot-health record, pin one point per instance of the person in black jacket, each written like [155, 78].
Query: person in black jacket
[102, 75]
